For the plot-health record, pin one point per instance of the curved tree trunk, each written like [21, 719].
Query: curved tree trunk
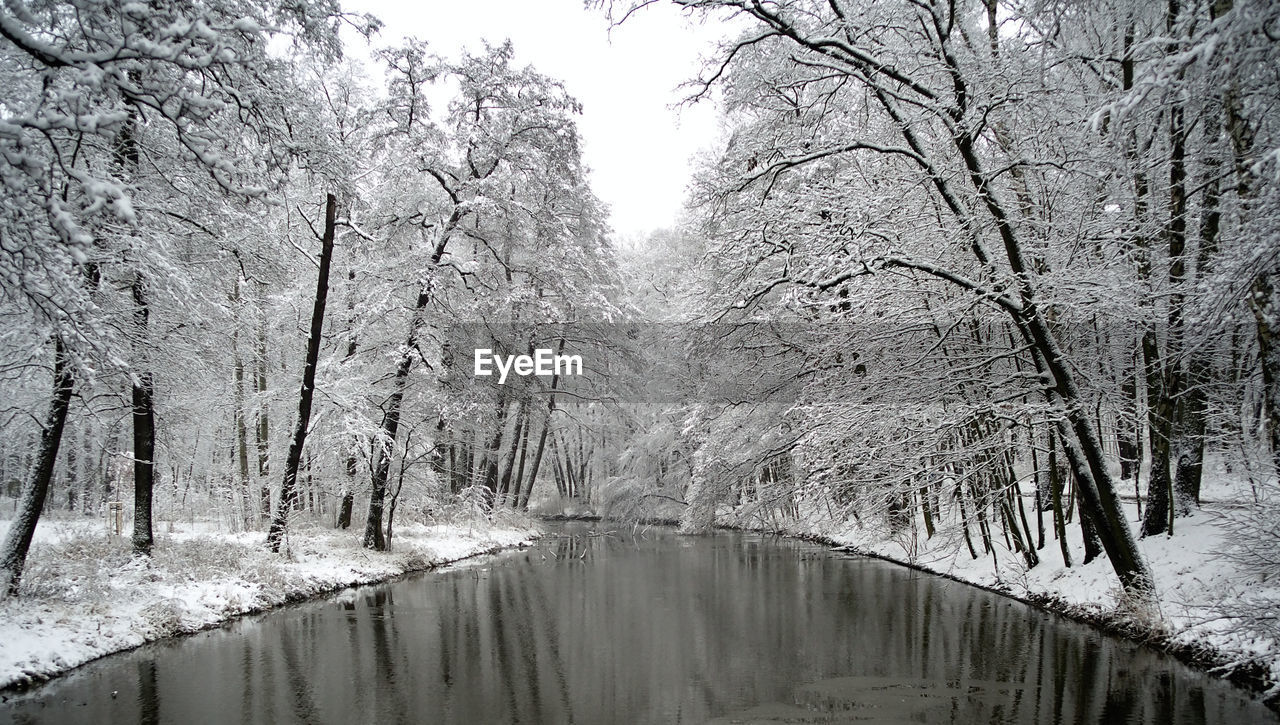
[13, 555]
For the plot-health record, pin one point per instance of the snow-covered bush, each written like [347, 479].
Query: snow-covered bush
[75, 568]
[163, 617]
[1253, 542]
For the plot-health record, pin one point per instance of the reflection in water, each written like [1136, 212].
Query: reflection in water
[148, 695]
[648, 629]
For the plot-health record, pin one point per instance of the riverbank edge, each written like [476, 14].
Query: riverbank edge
[1251, 675]
[32, 681]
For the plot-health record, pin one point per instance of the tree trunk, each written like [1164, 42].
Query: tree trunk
[144, 429]
[262, 429]
[1079, 436]
[1160, 424]
[924, 509]
[964, 521]
[1080, 442]
[1033, 558]
[1264, 300]
[1127, 428]
[1088, 532]
[536, 465]
[1194, 404]
[557, 471]
[509, 467]
[384, 445]
[395, 499]
[1038, 479]
[1055, 493]
[344, 509]
[18, 541]
[518, 479]
[493, 448]
[242, 429]
[348, 490]
[1162, 503]
[287, 493]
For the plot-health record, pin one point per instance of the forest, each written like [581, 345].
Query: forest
[988, 278]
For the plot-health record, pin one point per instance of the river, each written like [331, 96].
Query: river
[600, 624]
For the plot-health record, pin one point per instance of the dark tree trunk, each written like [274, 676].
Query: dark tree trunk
[557, 470]
[144, 430]
[1021, 540]
[1162, 501]
[1264, 300]
[924, 509]
[1128, 430]
[964, 520]
[585, 469]
[1092, 545]
[1189, 461]
[242, 429]
[1033, 558]
[518, 478]
[509, 467]
[980, 504]
[493, 448]
[287, 487]
[126, 156]
[262, 429]
[1160, 424]
[395, 499]
[536, 465]
[384, 446]
[348, 491]
[1038, 478]
[18, 541]
[381, 453]
[1079, 437]
[1195, 401]
[344, 509]
[1055, 492]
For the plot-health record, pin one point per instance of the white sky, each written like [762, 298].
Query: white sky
[639, 147]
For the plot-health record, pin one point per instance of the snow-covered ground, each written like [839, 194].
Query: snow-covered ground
[84, 596]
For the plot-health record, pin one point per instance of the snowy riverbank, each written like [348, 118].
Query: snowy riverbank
[1212, 608]
[84, 596]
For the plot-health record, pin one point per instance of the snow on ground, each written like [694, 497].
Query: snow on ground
[84, 596]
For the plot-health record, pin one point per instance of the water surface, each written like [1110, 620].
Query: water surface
[647, 627]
